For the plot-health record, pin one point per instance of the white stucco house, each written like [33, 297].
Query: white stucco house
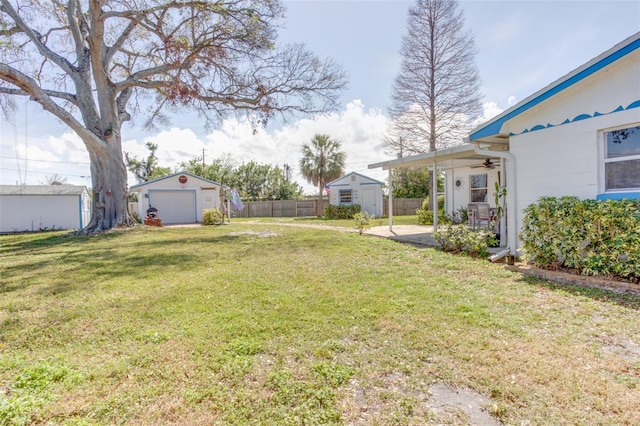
[179, 198]
[578, 136]
[355, 188]
[43, 207]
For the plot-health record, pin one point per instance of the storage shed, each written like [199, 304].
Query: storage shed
[179, 198]
[355, 188]
[43, 207]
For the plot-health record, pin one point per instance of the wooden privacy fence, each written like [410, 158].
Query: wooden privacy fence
[302, 208]
[278, 208]
[402, 206]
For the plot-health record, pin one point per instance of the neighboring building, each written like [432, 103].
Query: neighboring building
[578, 136]
[355, 188]
[179, 198]
[43, 207]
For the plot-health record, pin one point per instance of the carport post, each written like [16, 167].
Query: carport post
[390, 202]
[434, 189]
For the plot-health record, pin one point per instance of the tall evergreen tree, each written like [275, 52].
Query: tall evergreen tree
[436, 94]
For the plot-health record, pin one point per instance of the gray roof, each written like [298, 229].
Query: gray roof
[42, 189]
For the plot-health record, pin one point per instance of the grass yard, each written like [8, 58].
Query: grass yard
[343, 223]
[255, 323]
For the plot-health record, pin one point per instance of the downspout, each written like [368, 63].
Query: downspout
[512, 232]
[434, 189]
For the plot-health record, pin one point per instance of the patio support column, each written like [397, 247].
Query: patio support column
[434, 189]
[390, 202]
[511, 209]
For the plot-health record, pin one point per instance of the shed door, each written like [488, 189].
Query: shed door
[369, 201]
[174, 206]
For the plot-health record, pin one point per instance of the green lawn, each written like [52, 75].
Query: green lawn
[343, 223]
[255, 323]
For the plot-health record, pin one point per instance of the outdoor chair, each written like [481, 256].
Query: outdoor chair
[479, 214]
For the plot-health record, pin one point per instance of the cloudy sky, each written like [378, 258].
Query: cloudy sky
[522, 47]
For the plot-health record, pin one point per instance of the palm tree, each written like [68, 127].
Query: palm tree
[321, 162]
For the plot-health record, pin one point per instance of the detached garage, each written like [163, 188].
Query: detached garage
[179, 198]
[43, 207]
[355, 188]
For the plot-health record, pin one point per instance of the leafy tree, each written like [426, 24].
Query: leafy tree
[251, 180]
[147, 169]
[221, 170]
[321, 162]
[435, 96]
[54, 180]
[94, 63]
[410, 182]
[280, 187]
[254, 181]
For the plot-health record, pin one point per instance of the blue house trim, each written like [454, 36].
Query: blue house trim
[80, 211]
[174, 175]
[619, 196]
[493, 127]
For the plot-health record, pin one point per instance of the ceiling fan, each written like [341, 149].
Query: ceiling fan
[487, 164]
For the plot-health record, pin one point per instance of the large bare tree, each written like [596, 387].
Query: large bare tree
[94, 63]
[435, 95]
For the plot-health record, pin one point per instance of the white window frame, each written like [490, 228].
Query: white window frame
[485, 188]
[342, 203]
[605, 160]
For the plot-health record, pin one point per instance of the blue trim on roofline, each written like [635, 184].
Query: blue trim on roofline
[140, 185]
[619, 196]
[635, 104]
[358, 174]
[494, 127]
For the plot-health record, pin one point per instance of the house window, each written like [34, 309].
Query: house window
[478, 188]
[622, 159]
[346, 196]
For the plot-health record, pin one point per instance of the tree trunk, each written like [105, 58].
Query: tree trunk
[319, 207]
[110, 193]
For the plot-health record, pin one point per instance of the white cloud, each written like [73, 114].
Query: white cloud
[70, 147]
[359, 130]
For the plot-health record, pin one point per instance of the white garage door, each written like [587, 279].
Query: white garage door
[174, 206]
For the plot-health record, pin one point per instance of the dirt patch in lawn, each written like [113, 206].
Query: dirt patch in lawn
[438, 403]
[460, 406]
[262, 234]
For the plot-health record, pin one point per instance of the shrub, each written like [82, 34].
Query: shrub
[341, 212]
[212, 217]
[592, 237]
[363, 221]
[425, 216]
[462, 239]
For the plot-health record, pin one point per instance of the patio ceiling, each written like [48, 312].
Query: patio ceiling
[458, 156]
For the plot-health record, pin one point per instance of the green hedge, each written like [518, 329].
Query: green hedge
[592, 237]
[341, 212]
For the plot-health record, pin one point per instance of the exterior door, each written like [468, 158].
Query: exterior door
[369, 202]
[174, 206]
